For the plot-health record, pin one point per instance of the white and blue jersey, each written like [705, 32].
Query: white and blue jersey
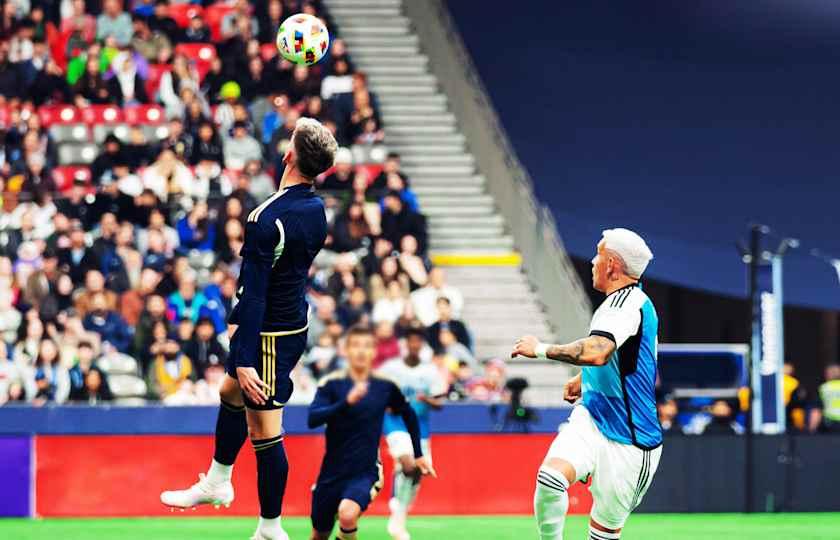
[620, 394]
[412, 381]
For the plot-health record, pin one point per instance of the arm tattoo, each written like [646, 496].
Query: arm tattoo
[589, 351]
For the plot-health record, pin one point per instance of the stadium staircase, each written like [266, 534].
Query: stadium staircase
[467, 234]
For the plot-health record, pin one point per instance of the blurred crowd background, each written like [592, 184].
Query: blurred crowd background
[136, 138]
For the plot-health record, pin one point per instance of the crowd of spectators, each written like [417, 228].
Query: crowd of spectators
[804, 412]
[117, 287]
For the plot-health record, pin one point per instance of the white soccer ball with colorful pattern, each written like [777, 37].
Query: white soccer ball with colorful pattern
[303, 39]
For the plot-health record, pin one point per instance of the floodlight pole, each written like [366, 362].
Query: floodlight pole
[755, 305]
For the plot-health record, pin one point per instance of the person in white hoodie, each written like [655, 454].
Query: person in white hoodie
[240, 148]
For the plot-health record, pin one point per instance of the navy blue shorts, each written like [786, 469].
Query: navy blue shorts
[326, 497]
[277, 356]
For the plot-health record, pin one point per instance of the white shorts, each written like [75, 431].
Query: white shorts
[621, 473]
[399, 444]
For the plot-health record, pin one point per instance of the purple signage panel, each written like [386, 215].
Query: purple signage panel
[15, 470]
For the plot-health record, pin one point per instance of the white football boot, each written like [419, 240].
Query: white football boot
[202, 492]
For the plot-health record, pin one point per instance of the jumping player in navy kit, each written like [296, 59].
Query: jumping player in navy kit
[282, 237]
[352, 403]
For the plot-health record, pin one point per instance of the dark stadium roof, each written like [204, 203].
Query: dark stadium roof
[696, 118]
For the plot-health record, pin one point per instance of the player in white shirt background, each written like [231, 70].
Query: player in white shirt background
[424, 388]
[613, 434]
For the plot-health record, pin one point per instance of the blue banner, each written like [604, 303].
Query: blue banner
[768, 350]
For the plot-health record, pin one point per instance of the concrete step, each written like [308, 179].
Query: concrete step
[419, 137]
[448, 220]
[413, 90]
[412, 108]
[475, 232]
[426, 148]
[392, 70]
[350, 19]
[467, 273]
[397, 100]
[500, 316]
[415, 119]
[477, 319]
[374, 12]
[371, 45]
[439, 170]
[432, 183]
[517, 290]
[423, 191]
[368, 61]
[426, 158]
[409, 131]
[364, 53]
[506, 332]
[402, 80]
[435, 211]
[453, 203]
[501, 242]
[369, 31]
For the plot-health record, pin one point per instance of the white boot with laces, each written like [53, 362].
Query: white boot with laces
[202, 492]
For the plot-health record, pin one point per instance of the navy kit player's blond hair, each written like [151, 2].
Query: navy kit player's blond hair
[315, 147]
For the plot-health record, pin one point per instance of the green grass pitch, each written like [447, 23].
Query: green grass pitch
[640, 527]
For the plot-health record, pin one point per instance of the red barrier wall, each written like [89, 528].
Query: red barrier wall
[120, 475]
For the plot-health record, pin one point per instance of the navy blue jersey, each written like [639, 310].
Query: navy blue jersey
[282, 237]
[353, 431]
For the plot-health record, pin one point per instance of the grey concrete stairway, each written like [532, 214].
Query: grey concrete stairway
[466, 233]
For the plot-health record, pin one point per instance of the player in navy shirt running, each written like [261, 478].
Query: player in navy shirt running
[282, 237]
[352, 403]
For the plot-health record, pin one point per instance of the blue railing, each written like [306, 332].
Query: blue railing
[158, 419]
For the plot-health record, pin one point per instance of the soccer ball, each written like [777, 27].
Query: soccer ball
[303, 39]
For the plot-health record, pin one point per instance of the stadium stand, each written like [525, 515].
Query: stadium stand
[126, 176]
[466, 230]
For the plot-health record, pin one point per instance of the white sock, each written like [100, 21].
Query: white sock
[219, 473]
[551, 503]
[271, 526]
[405, 491]
[595, 534]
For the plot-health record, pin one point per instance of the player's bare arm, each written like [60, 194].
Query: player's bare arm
[588, 351]
[252, 385]
[356, 393]
[572, 389]
[425, 467]
[435, 402]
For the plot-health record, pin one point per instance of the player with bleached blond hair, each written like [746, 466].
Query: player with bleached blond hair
[613, 435]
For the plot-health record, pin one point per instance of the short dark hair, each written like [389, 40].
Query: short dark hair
[315, 147]
[415, 331]
[359, 330]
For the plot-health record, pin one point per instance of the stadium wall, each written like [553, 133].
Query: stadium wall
[114, 461]
[61, 461]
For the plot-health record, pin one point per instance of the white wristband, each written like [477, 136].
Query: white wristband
[541, 350]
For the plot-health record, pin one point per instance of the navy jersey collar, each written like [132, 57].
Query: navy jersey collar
[302, 188]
